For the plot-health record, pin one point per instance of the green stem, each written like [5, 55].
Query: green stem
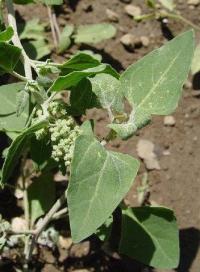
[48, 217]
[15, 39]
[144, 17]
[15, 74]
[31, 117]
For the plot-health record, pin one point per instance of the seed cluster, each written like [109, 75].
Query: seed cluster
[63, 132]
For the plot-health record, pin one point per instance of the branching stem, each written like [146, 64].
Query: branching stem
[16, 41]
[48, 217]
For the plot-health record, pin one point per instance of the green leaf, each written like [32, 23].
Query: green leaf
[16, 148]
[168, 4]
[9, 56]
[150, 235]
[94, 33]
[8, 118]
[94, 192]
[40, 151]
[108, 90]
[65, 38]
[196, 61]
[22, 101]
[33, 29]
[7, 34]
[80, 61]
[73, 78]
[37, 49]
[38, 204]
[82, 98]
[153, 85]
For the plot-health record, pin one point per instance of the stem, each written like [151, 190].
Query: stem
[144, 17]
[15, 39]
[58, 204]
[60, 214]
[51, 20]
[31, 117]
[57, 29]
[15, 74]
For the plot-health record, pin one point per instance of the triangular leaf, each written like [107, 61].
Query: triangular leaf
[94, 192]
[153, 85]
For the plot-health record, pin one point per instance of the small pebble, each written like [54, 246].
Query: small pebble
[145, 41]
[132, 10]
[193, 2]
[65, 242]
[130, 41]
[169, 121]
[112, 16]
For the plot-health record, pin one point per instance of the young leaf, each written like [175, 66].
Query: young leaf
[22, 101]
[94, 33]
[7, 34]
[16, 149]
[38, 204]
[168, 4]
[8, 119]
[82, 98]
[65, 38]
[150, 235]
[196, 61]
[94, 192]
[153, 85]
[80, 61]
[9, 56]
[107, 89]
[73, 78]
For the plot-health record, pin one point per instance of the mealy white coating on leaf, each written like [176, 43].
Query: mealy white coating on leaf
[153, 85]
[108, 91]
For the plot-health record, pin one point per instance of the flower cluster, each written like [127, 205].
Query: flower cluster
[63, 132]
[63, 135]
